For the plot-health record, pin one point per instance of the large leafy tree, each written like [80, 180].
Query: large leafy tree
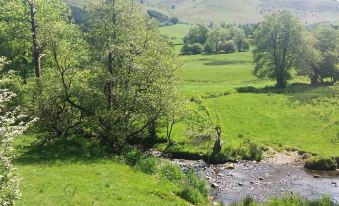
[135, 71]
[278, 39]
[25, 31]
[317, 56]
[197, 34]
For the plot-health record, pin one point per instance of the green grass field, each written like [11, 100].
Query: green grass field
[298, 117]
[66, 173]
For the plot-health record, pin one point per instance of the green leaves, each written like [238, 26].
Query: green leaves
[277, 43]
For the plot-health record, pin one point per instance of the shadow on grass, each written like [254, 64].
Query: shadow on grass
[302, 92]
[69, 151]
[225, 62]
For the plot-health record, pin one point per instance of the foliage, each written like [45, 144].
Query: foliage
[317, 58]
[135, 74]
[11, 125]
[159, 16]
[16, 34]
[197, 34]
[148, 165]
[229, 47]
[133, 156]
[171, 172]
[195, 189]
[197, 48]
[321, 163]
[288, 200]
[277, 43]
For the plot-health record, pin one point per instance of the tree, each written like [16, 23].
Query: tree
[239, 38]
[186, 49]
[215, 40]
[278, 40]
[309, 59]
[197, 34]
[25, 30]
[134, 75]
[229, 47]
[317, 55]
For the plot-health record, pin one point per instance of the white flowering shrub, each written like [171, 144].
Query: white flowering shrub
[10, 127]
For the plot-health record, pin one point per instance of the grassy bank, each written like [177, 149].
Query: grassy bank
[76, 174]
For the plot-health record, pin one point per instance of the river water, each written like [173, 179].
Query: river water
[262, 180]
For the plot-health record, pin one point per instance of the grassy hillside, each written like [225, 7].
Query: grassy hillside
[240, 11]
[247, 11]
[299, 117]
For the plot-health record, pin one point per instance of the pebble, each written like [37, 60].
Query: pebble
[316, 176]
[215, 185]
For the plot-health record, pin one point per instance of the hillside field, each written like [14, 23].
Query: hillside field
[239, 11]
[252, 109]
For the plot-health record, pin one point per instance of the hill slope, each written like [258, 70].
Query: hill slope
[240, 11]
[247, 11]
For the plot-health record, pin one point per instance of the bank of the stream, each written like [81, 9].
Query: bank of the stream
[279, 175]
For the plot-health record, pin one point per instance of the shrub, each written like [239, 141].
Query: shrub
[186, 49]
[174, 20]
[196, 48]
[321, 163]
[11, 125]
[208, 48]
[245, 46]
[132, 156]
[171, 172]
[249, 151]
[193, 196]
[161, 17]
[195, 190]
[229, 47]
[147, 165]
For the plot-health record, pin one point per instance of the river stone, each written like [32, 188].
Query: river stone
[215, 185]
[229, 166]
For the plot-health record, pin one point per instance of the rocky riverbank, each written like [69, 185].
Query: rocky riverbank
[280, 174]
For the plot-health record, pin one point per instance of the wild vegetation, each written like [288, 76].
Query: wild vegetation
[102, 84]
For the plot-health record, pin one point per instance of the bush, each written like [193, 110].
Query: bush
[229, 47]
[208, 49]
[9, 129]
[321, 163]
[171, 172]
[250, 151]
[245, 46]
[133, 156]
[193, 196]
[147, 165]
[174, 20]
[196, 48]
[195, 190]
[186, 49]
[288, 200]
[161, 17]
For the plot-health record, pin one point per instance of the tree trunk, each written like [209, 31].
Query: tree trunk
[152, 130]
[36, 52]
[281, 80]
[217, 144]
